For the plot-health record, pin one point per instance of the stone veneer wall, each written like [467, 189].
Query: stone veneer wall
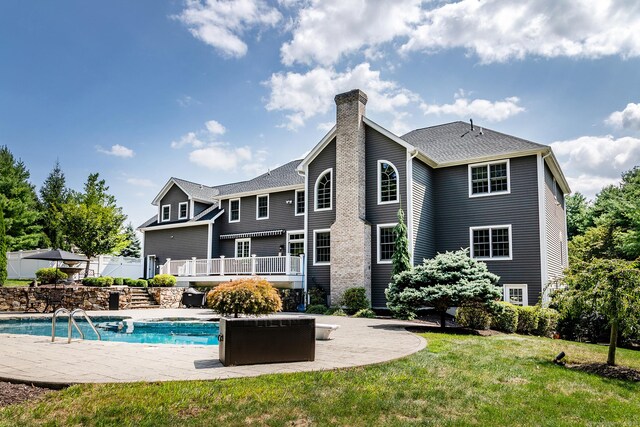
[85, 297]
[350, 233]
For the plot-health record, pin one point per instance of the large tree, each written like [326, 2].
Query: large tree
[19, 202]
[578, 215]
[92, 221]
[610, 287]
[451, 279]
[53, 194]
[133, 243]
[3, 250]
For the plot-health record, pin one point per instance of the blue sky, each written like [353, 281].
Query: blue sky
[219, 91]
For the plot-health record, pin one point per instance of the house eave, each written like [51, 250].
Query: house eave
[317, 149]
[261, 191]
[182, 224]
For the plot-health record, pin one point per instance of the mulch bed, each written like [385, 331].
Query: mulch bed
[604, 370]
[18, 393]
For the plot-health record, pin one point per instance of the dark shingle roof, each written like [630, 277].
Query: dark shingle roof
[197, 191]
[455, 142]
[282, 176]
[205, 215]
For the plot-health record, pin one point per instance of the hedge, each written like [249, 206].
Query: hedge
[50, 275]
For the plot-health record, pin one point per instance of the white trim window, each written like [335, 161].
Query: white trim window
[321, 247]
[516, 294]
[165, 213]
[300, 202]
[243, 248]
[262, 206]
[183, 210]
[295, 242]
[491, 242]
[324, 191]
[388, 189]
[489, 179]
[234, 210]
[386, 243]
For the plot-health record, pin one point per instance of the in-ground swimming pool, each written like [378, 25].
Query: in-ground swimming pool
[122, 329]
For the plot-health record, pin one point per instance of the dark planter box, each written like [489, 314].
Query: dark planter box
[268, 340]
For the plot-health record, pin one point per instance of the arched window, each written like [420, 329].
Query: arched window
[387, 182]
[323, 191]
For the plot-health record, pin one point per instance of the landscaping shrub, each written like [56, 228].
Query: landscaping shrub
[355, 299]
[365, 312]
[100, 282]
[335, 311]
[163, 281]
[527, 319]
[50, 275]
[547, 322]
[118, 281]
[317, 296]
[253, 296]
[316, 309]
[474, 317]
[140, 283]
[505, 318]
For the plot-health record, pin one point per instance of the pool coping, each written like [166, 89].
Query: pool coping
[358, 342]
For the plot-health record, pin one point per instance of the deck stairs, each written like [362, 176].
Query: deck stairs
[140, 298]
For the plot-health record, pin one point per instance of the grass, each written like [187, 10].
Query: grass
[11, 283]
[456, 381]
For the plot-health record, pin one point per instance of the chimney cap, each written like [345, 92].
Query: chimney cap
[352, 95]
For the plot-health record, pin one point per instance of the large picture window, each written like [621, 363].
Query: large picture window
[387, 182]
[489, 178]
[323, 191]
[491, 243]
[234, 210]
[386, 243]
[321, 247]
[262, 207]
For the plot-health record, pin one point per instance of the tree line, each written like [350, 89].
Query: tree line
[87, 221]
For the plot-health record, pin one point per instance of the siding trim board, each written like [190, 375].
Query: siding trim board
[542, 227]
[409, 213]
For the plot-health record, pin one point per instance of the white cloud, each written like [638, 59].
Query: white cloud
[325, 126]
[215, 127]
[116, 150]
[310, 94]
[591, 162]
[220, 157]
[188, 139]
[140, 182]
[325, 30]
[493, 111]
[221, 23]
[629, 118]
[497, 30]
[187, 101]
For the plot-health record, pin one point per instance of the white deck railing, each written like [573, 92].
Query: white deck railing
[288, 265]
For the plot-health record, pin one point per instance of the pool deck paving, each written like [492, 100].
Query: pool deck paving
[36, 360]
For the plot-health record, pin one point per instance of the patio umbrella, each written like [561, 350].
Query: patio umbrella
[58, 255]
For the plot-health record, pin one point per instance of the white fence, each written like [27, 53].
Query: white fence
[103, 265]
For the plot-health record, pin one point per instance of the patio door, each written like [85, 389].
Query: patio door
[151, 266]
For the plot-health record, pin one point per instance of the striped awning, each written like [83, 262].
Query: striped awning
[252, 234]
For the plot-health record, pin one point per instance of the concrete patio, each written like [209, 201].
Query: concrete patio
[35, 359]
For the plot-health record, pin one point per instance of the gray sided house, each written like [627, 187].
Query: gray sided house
[326, 221]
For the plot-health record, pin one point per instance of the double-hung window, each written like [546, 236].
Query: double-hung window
[491, 243]
[489, 178]
[386, 243]
[387, 182]
[323, 191]
[234, 210]
[262, 206]
[165, 214]
[183, 210]
[300, 202]
[321, 247]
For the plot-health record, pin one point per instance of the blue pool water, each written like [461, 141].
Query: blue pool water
[167, 331]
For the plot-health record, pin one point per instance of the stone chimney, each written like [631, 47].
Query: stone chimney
[350, 233]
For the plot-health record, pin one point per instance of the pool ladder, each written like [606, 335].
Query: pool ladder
[72, 321]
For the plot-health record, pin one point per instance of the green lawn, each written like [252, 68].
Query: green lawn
[456, 381]
[10, 283]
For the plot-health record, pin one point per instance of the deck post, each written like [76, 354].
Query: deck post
[253, 264]
[208, 266]
[168, 264]
[287, 265]
[222, 265]
[193, 266]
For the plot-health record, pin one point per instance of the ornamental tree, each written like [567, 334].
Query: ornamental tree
[401, 260]
[254, 296]
[451, 279]
[610, 287]
[133, 243]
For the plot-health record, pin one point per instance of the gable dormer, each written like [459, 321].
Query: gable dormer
[181, 200]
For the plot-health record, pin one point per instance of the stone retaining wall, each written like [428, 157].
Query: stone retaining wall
[44, 298]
